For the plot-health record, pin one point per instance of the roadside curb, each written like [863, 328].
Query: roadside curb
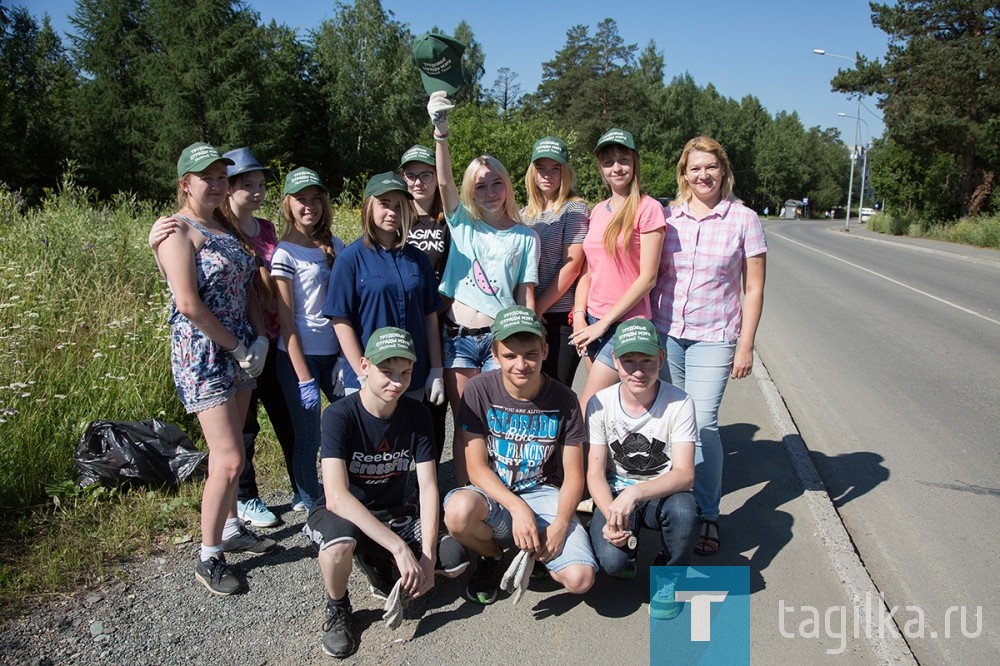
[886, 642]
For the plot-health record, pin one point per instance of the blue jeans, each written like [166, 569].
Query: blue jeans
[675, 517]
[467, 351]
[544, 503]
[600, 350]
[305, 422]
[702, 370]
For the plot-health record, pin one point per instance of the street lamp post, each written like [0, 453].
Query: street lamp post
[854, 148]
[864, 163]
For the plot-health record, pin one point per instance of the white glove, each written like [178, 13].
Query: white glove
[258, 355]
[434, 387]
[338, 377]
[515, 580]
[438, 108]
[242, 355]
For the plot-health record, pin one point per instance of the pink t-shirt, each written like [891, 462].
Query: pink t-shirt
[264, 243]
[697, 293]
[611, 276]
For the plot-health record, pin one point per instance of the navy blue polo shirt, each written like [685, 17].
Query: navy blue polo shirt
[376, 287]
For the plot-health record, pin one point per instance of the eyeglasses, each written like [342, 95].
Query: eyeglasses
[424, 177]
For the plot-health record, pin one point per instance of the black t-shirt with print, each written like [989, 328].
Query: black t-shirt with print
[378, 452]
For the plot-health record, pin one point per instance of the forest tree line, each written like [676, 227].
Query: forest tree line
[134, 81]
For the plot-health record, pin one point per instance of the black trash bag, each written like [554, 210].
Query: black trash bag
[143, 452]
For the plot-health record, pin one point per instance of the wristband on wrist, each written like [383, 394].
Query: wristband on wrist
[440, 137]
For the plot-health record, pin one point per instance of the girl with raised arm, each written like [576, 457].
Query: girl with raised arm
[492, 262]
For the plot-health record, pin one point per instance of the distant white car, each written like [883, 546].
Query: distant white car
[867, 214]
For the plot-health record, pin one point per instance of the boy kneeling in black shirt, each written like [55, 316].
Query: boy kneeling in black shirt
[369, 440]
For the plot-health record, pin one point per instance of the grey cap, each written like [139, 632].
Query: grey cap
[243, 162]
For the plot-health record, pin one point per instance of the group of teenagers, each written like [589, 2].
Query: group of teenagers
[454, 295]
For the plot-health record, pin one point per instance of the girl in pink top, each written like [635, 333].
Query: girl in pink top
[714, 248]
[622, 250]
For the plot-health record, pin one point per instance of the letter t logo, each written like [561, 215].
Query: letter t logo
[701, 611]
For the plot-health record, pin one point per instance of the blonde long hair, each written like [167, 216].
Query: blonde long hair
[622, 223]
[469, 187]
[368, 219]
[536, 199]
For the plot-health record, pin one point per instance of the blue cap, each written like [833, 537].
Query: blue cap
[243, 162]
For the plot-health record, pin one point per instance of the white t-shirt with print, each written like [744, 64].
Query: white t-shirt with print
[640, 447]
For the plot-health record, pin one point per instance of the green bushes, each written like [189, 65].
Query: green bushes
[978, 231]
[897, 225]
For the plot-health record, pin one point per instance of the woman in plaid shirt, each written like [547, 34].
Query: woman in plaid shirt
[714, 246]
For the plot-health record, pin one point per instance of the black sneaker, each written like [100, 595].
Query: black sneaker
[248, 541]
[453, 558]
[484, 583]
[215, 575]
[338, 630]
[379, 573]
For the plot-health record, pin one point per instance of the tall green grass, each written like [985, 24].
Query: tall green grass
[83, 332]
[83, 336]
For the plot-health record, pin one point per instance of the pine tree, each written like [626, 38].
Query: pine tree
[109, 49]
[37, 81]
[370, 88]
[939, 88]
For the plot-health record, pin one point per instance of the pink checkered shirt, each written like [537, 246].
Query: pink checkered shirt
[697, 293]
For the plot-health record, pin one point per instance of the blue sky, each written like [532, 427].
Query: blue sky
[753, 47]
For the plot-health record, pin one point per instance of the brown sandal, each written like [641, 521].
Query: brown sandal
[707, 544]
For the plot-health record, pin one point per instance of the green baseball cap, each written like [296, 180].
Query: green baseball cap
[385, 182]
[516, 319]
[615, 135]
[637, 335]
[301, 178]
[439, 59]
[390, 342]
[418, 153]
[551, 147]
[197, 157]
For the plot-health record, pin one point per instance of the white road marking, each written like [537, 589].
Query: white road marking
[887, 278]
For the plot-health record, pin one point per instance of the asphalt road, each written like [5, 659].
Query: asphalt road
[887, 353]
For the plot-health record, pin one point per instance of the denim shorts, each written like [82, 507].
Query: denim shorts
[601, 348]
[544, 502]
[468, 351]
